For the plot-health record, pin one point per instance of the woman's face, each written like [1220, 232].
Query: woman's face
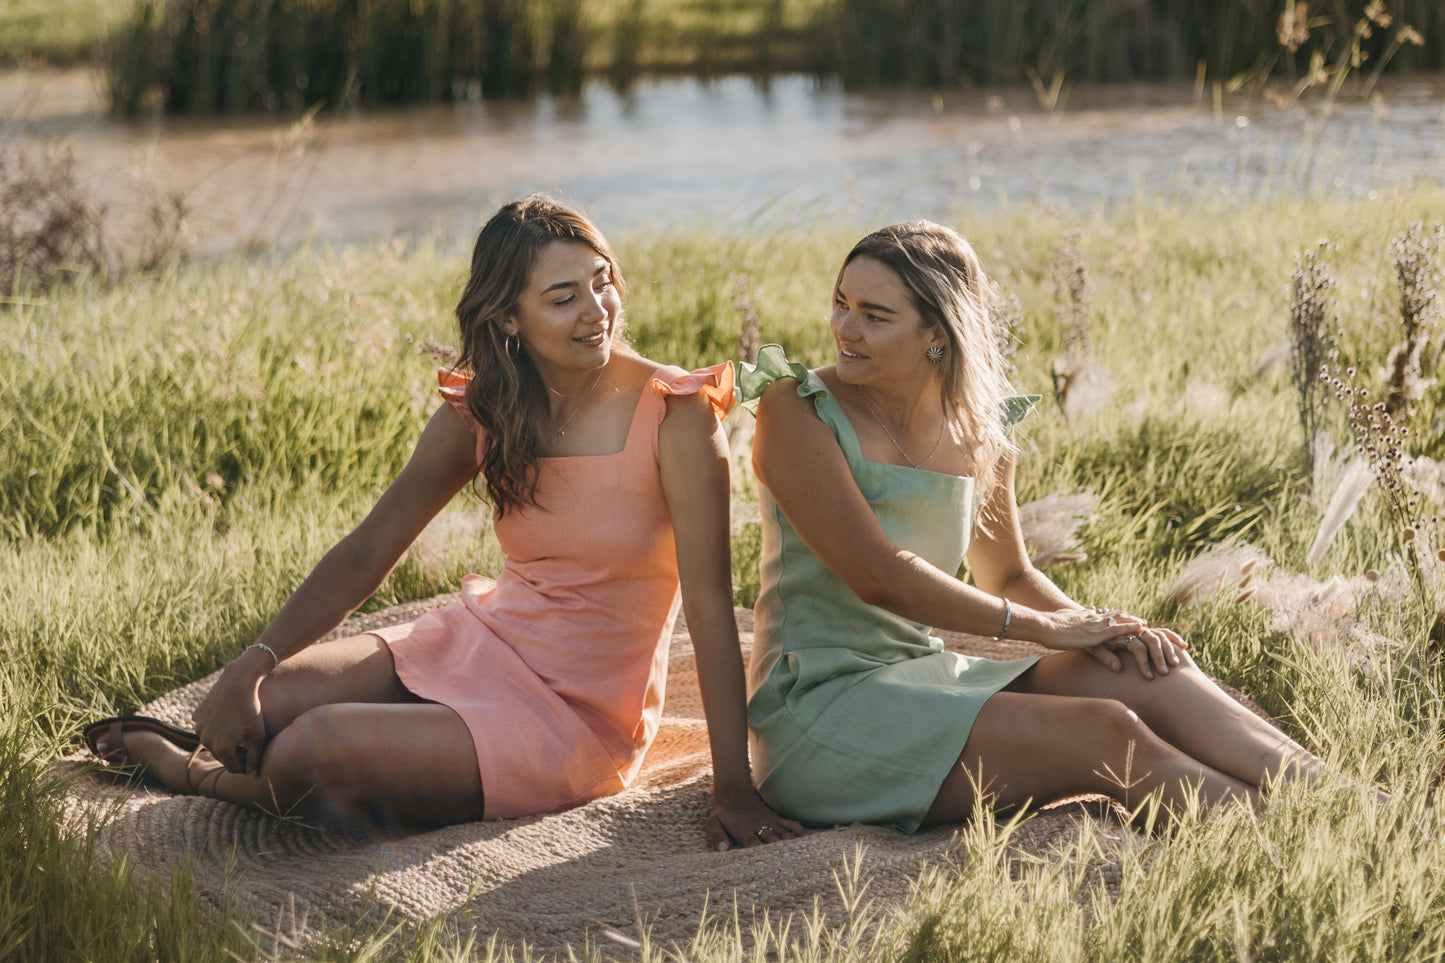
[567, 313]
[879, 333]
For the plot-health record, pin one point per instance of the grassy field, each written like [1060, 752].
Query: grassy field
[179, 449]
[57, 31]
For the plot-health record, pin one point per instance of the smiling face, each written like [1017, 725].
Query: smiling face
[567, 313]
[880, 334]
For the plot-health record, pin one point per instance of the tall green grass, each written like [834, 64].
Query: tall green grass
[179, 450]
[225, 56]
[234, 56]
[930, 43]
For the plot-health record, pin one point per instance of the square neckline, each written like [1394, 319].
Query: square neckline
[631, 427]
[858, 446]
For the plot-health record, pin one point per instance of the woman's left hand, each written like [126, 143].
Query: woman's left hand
[1153, 649]
[743, 819]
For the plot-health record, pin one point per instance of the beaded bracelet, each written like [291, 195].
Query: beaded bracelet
[277, 659]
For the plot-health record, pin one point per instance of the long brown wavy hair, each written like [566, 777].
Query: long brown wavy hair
[946, 283]
[506, 394]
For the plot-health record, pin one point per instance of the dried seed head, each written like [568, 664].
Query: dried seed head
[1409, 534]
[1371, 575]
[1244, 596]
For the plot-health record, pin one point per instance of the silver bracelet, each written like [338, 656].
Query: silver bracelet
[277, 659]
[1008, 616]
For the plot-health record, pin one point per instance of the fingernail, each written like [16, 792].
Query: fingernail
[722, 847]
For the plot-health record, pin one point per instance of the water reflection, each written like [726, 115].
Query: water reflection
[727, 153]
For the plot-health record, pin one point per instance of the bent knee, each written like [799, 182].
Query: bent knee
[313, 753]
[281, 702]
[1113, 722]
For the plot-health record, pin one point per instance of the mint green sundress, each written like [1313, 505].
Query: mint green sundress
[857, 714]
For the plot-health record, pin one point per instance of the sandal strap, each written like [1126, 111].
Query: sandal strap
[206, 785]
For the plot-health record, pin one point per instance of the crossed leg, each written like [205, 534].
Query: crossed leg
[1070, 725]
[349, 747]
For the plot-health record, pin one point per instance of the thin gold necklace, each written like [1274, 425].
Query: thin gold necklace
[562, 428]
[915, 464]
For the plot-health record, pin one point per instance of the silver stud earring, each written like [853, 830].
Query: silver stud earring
[934, 354]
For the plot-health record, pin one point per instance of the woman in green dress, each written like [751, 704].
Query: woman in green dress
[880, 474]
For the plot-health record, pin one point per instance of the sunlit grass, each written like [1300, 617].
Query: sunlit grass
[57, 31]
[178, 451]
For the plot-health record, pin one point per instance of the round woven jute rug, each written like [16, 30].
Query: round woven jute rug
[603, 873]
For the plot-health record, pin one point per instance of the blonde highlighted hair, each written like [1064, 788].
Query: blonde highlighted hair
[946, 283]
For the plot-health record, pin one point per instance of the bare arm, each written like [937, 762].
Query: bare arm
[796, 456]
[444, 461]
[997, 556]
[1000, 564]
[694, 458]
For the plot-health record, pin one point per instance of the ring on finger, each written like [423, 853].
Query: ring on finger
[763, 829]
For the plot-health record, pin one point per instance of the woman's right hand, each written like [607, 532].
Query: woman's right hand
[228, 721]
[1087, 628]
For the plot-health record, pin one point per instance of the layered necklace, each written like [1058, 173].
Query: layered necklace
[916, 464]
[562, 428]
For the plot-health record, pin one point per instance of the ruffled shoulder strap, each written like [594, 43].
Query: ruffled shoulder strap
[1015, 408]
[452, 385]
[773, 365]
[715, 383]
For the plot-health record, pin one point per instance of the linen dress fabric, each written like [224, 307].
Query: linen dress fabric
[857, 714]
[559, 669]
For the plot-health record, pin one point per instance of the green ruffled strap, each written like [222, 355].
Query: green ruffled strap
[773, 363]
[1016, 408]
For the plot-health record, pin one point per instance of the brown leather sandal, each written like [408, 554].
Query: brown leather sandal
[115, 757]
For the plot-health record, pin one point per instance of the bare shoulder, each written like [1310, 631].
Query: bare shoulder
[629, 371]
[781, 400]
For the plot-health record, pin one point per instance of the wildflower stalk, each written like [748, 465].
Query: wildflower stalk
[1381, 436]
[750, 332]
[1311, 291]
[1417, 258]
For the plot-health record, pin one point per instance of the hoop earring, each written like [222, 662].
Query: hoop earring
[934, 354]
[513, 346]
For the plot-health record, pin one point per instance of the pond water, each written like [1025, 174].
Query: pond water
[726, 154]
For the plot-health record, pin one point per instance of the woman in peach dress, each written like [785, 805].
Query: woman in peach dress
[607, 475]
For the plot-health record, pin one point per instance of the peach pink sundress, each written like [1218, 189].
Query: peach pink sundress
[559, 668]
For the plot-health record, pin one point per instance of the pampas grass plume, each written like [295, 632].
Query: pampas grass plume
[1354, 482]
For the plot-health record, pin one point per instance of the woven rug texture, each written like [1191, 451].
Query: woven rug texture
[637, 859]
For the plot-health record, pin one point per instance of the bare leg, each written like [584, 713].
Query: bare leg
[1027, 747]
[355, 669]
[349, 747]
[352, 766]
[1185, 709]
